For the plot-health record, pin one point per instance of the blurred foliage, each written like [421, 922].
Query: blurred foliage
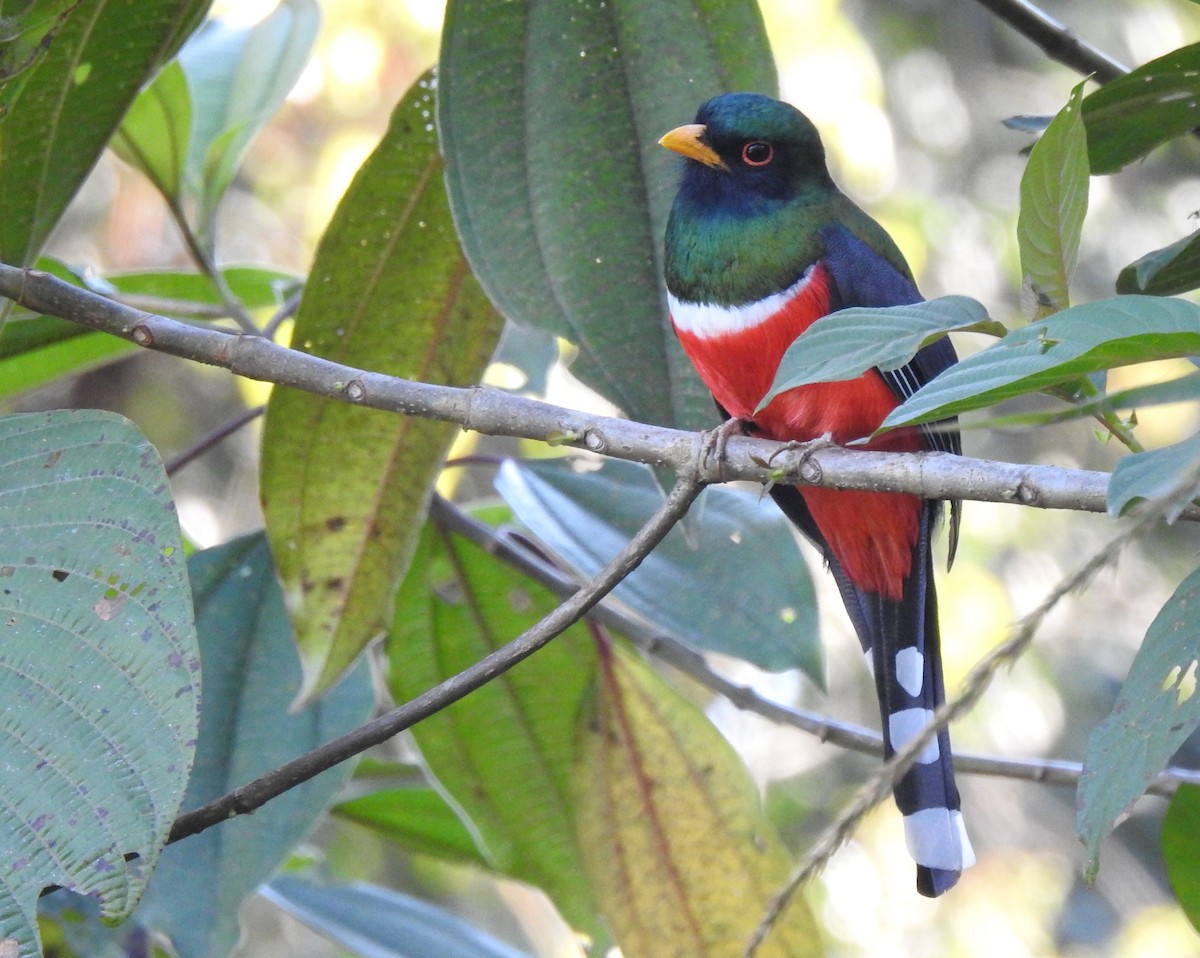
[910, 97]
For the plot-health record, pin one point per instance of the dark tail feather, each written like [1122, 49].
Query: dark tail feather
[908, 678]
[902, 644]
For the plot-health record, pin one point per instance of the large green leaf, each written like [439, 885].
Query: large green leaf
[345, 489]
[99, 669]
[1054, 199]
[504, 752]
[380, 923]
[238, 78]
[69, 105]
[251, 675]
[677, 845]
[155, 133]
[1181, 849]
[1058, 351]
[550, 115]
[1168, 271]
[1155, 712]
[25, 36]
[845, 344]
[735, 583]
[419, 819]
[1128, 117]
[1149, 475]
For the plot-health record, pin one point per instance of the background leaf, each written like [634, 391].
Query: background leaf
[1156, 711]
[154, 135]
[741, 547]
[1054, 199]
[678, 848]
[1168, 271]
[345, 489]
[560, 191]
[238, 78]
[505, 751]
[1058, 350]
[1181, 849]
[69, 106]
[380, 923]
[1128, 117]
[251, 675]
[99, 666]
[418, 818]
[1148, 475]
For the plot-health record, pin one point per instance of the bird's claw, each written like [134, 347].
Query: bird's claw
[715, 440]
[807, 449]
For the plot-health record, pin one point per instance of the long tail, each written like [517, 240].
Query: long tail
[902, 644]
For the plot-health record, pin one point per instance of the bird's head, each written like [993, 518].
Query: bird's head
[746, 149]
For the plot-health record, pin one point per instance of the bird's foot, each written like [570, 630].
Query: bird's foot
[807, 449]
[714, 441]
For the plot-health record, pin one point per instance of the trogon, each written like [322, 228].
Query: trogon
[761, 243]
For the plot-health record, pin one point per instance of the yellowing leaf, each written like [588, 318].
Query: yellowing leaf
[681, 856]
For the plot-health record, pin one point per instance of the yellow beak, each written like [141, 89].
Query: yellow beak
[689, 141]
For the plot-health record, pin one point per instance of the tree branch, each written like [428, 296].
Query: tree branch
[258, 792]
[491, 411]
[1056, 40]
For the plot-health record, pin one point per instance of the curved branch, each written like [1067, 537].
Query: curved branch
[491, 411]
[1056, 40]
[260, 791]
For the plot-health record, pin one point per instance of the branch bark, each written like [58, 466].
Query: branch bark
[491, 411]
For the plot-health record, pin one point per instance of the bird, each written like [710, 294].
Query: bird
[759, 244]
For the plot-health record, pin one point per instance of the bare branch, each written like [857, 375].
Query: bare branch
[1056, 40]
[491, 411]
[258, 792]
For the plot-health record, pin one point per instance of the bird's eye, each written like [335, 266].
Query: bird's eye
[757, 153]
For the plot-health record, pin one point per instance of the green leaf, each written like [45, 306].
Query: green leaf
[560, 191]
[251, 675]
[345, 489]
[154, 135]
[1155, 712]
[25, 36]
[419, 819]
[238, 78]
[256, 287]
[1128, 117]
[504, 752]
[1150, 475]
[69, 106]
[1181, 849]
[664, 795]
[381, 923]
[1058, 351]
[845, 344]
[99, 663]
[1168, 271]
[740, 546]
[1054, 199]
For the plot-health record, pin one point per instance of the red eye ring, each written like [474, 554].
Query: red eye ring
[758, 153]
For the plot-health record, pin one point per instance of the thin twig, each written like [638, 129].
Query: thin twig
[256, 793]
[1056, 40]
[494, 412]
[211, 438]
[880, 785]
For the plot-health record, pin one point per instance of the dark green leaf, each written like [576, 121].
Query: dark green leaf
[1168, 271]
[1181, 849]
[1128, 117]
[550, 115]
[1149, 475]
[419, 819]
[251, 676]
[238, 78]
[1156, 711]
[845, 344]
[741, 547]
[154, 135]
[505, 751]
[25, 36]
[344, 488]
[69, 105]
[99, 670]
[1054, 199]
[381, 923]
[1056, 351]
